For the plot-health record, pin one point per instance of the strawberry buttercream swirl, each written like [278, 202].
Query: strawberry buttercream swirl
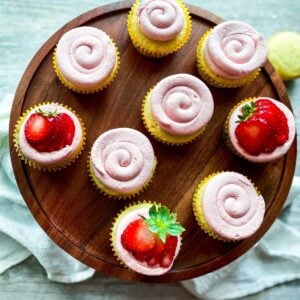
[181, 104]
[85, 56]
[231, 206]
[234, 49]
[123, 159]
[160, 20]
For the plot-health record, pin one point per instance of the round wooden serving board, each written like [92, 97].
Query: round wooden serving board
[77, 216]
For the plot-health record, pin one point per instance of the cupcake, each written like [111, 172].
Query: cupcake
[49, 136]
[231, 54]
[122, 162]
[86, 59]
[228, 207]
[260, 129]
[177, 109]
[146, 238]
[159, 27]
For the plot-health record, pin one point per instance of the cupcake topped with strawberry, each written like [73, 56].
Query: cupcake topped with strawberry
[260, 129]
[49, 136]
[146, 238]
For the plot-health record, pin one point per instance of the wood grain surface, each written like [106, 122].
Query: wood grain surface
[77, 217]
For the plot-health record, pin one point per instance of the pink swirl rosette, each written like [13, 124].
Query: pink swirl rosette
[234, 49]
[231, 206]
[160, 20]
[181, 104]
[85, 56]
[123, 160]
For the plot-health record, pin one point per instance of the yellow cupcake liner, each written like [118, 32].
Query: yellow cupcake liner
[152, 48]
[102, 85]
[111, 193]
[213, 79]
[35, 165]
[198, 208]
[120, 215]
[158, 133]
[226, 124]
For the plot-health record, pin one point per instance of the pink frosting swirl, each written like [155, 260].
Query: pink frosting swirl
[231, 206]
[85, 56]
[181, 104]
[123, 159]
[160, 20]
[234, 49]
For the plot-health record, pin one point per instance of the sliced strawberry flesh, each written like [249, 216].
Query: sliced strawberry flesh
[166, 261]
[47, 133]
[37, 128]
[136, 239]
[253, 134]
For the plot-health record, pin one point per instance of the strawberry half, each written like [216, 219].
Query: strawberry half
[37, 128]
[137, 237]
[262, 127]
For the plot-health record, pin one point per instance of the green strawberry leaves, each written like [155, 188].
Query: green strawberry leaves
[162, 222]
[247, 111]
[47, 113]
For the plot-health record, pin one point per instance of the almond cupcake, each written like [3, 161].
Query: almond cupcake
[231, 54]
[86, 59]
[260, 129]
[159, 27]
[49, 136]
[122, 162]
[228, 207]
[146, 238]
[177, 109]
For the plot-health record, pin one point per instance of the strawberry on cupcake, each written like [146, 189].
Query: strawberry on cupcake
[260, 129]
[49, 136]
[146, 238]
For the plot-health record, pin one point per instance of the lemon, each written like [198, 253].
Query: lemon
[284, 54]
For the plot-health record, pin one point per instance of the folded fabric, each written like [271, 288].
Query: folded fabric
[20, 234]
